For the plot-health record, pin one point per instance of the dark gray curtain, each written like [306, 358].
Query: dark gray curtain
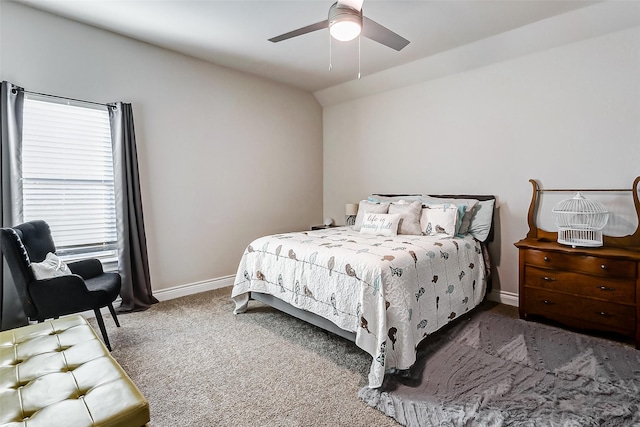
[11, 102]
[133, 261]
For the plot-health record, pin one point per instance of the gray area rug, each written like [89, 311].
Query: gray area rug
[492, 370]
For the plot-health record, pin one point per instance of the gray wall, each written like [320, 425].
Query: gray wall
[231, 157]
[567, 116]
[224, 157]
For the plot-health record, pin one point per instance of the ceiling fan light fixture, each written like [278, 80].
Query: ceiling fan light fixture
[345, 30]
[345, 23]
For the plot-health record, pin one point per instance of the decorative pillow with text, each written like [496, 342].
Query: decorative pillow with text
[368, 207]
[382, 224]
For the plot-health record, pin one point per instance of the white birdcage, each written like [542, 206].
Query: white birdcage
[580, 221]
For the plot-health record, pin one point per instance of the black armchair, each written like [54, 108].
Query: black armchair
[88, 288]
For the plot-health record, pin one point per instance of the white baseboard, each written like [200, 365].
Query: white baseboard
[193, 288]
[503, 297]
[177, 292]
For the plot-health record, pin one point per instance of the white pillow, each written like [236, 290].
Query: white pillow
[368, 207]
[409, 217]
[384, 224]
[381, 198]
[439, 220]
[468, 213]
[481, 221]
[52, 266]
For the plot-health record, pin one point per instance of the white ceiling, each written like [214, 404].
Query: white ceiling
[234, 33]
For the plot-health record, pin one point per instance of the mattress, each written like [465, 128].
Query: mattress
[392, 292]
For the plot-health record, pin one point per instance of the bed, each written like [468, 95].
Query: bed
[384, 291]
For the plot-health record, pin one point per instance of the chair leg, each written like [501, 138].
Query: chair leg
[113, 314]
[102, 328]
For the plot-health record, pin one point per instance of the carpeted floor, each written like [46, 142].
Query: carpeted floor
[199, 365]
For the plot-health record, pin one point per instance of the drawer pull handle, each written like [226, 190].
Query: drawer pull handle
[549, 279]
[604, 267]
[604, 314]
[605, 288]
[547, 302]
[546, 258]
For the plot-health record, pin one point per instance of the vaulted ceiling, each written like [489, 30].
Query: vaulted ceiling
[235, 33]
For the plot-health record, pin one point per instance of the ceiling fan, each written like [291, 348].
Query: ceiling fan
[346, 22]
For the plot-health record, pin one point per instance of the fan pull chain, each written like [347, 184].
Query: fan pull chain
[329, 52]
[359, 56]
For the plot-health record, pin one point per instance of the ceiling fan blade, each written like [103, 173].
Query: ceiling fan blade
[371, 29]
[300, 31]
[353, 4]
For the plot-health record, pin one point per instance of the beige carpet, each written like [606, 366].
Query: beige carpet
[198, 365]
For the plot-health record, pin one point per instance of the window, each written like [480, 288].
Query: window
[67, 176]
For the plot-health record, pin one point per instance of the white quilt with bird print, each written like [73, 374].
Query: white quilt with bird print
[392, 291]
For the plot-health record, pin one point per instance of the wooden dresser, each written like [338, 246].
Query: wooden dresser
[584, 288]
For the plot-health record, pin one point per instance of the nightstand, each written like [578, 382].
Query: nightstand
[323, 227]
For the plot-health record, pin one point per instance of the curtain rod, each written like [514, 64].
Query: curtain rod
[64, 97]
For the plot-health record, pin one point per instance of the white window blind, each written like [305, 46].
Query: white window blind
[67, 172]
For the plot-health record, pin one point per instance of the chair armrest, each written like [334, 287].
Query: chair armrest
[59, 296]
[86, 268]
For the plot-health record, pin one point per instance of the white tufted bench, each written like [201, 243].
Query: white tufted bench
[59, 373]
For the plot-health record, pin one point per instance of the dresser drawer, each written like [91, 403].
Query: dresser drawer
[609, 315]
[605, 267]
[622, 291]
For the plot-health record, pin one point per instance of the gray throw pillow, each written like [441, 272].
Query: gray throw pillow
[368, 207]
[409, 217]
